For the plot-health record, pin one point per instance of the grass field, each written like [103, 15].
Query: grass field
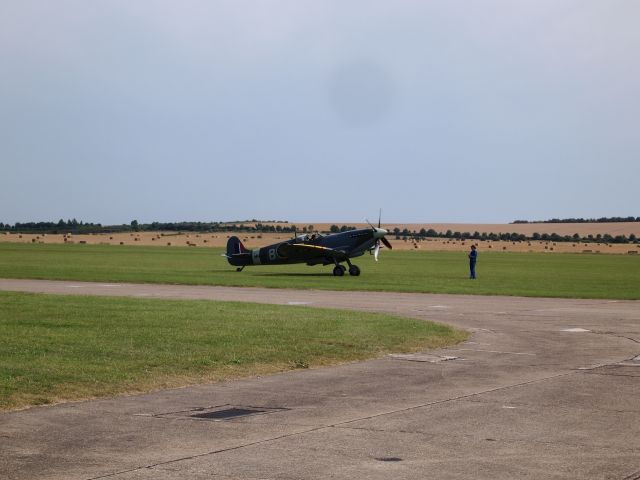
[55, 348]
[526, 274]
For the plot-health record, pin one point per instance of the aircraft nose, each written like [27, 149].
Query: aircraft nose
[379, 233]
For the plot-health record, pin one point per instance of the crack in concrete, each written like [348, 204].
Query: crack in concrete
[199, 455]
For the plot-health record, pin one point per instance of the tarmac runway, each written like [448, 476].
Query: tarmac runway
[543, 389]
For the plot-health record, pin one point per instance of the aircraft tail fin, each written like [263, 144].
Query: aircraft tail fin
[235, 247]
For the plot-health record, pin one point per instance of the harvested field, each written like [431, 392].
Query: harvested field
[582, 229]
[254, 240]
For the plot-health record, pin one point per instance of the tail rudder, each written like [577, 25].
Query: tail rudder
[235, 247]
[237, 253]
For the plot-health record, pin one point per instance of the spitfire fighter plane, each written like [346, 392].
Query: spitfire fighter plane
[312, 249]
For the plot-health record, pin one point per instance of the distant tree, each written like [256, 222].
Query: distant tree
[334, 229]
[135, 226]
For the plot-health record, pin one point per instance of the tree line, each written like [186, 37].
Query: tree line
[583, 220]
[78, 227]
[514, 237]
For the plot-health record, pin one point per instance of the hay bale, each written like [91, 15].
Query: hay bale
[33, 240]
[632, 252]
[504, 248]
[168, 244]
[587, 251]
[83, 242]
[121, 243]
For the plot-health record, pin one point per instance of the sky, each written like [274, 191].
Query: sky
[435, 111]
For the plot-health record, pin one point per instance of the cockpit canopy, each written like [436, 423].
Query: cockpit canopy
[308, 237]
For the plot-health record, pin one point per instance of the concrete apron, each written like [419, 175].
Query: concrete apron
[544, 388]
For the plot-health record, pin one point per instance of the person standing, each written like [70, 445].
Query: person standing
[473, 257]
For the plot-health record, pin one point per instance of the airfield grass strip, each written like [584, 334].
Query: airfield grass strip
[58, 348]
[499, 273]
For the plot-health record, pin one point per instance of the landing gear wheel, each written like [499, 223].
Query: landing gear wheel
[354, 270]
[339, 270]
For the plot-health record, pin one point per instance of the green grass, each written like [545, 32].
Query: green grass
[55, 348]
[526, 274]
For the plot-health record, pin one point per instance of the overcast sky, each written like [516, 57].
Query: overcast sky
[436, 111]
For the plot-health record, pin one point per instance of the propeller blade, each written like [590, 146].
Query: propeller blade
[376, 251]
[386, 243]
[379, 217]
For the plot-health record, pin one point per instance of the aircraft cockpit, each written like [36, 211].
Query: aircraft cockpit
[308, 237]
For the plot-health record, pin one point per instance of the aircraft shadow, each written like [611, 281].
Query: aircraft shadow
[272, 274]
[294, 274]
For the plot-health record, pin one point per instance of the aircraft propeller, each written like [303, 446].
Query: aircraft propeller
[379, 234]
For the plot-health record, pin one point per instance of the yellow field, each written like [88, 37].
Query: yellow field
[258, 240]
[582, 229]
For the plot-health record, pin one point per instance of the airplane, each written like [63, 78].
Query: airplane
[312, 249]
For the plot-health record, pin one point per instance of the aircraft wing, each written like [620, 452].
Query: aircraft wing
[302, 251]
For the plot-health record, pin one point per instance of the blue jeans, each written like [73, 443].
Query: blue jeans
[472, 269]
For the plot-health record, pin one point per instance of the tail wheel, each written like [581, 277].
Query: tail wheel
[339, 270]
